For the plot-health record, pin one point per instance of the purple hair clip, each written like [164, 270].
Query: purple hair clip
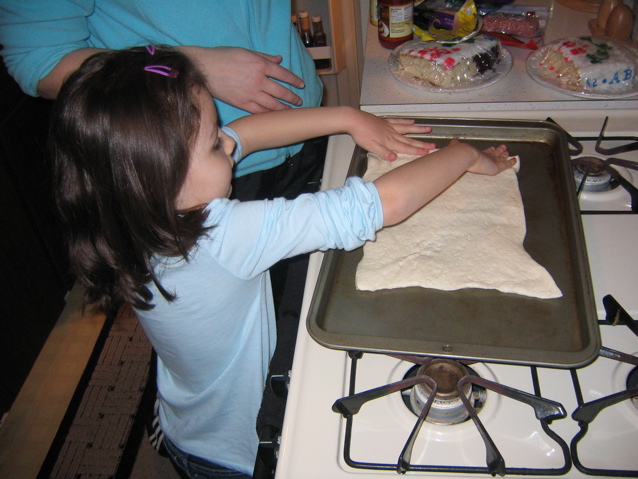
[150, 49]
[162, 70]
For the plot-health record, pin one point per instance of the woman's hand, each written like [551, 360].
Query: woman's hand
[246, 79]
[385, 137]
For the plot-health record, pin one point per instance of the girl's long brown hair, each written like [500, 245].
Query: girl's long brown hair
[120, 139]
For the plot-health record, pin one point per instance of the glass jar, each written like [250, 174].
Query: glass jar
[394, 21]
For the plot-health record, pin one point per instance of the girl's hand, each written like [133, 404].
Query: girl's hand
[385, 136]
[491, 161]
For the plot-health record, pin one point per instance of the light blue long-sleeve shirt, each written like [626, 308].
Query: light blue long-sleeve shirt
[215, 341]
[37, 34]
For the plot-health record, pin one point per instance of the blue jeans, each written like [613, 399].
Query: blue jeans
[197, 468]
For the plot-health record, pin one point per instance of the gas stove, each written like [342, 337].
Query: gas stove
[361, 414]
[521, 423]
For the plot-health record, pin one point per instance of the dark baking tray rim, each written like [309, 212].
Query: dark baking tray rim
[480, 325]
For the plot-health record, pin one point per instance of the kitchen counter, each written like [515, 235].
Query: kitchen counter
[517, 91]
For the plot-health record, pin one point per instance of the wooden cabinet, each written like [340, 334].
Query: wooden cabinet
[33, 263]
[342, 24]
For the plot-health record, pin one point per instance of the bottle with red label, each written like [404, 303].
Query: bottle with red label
[394, 19]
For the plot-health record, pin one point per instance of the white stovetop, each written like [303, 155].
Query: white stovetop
[311, 447]
[381, 92]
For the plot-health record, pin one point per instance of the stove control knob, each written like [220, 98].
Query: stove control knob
[280, 383]
[267, 452]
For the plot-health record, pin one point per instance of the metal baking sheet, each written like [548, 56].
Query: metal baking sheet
[477, 324]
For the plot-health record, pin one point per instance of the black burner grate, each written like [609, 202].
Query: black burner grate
[629, 143]
[546, 410]
[586, 413]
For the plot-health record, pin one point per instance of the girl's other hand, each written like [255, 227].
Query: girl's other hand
[491, 161]
[385, 137]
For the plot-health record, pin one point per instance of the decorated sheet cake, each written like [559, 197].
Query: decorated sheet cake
[450, 65]
[587, 65]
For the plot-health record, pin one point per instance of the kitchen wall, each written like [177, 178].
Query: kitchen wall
[365, 21]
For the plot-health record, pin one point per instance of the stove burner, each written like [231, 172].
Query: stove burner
[448, 407]
[591, 174]
[453, 372]
[588, 169]
[594, 172]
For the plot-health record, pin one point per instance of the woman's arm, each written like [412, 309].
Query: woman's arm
[382, 137]
[225, 71]
[50, 85]
[409, 187]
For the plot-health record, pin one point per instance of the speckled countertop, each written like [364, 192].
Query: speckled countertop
[517, 91]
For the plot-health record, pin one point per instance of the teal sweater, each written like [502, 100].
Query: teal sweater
[37, 34]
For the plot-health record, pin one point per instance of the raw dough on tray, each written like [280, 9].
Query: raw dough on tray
[470, 236]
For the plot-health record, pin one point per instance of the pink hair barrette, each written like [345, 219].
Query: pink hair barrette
[150, 49]
[162, 70]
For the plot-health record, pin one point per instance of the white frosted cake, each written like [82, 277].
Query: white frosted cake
[590, 65]
[451, 65]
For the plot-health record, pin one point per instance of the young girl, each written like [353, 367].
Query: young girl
[143, 175]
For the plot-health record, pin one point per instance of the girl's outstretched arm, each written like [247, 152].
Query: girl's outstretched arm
[382, 137]
[406, 189]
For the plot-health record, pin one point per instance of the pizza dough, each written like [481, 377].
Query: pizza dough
[470, 236]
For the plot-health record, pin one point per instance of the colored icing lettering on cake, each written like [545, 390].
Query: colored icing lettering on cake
[590, 65]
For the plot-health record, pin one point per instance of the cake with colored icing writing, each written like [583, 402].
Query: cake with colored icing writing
[450, 66]
[589, 65]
